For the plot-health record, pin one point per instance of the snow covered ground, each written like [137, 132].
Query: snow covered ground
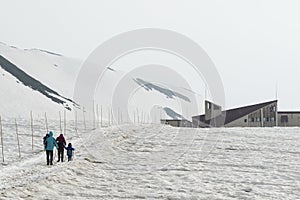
[156, 162]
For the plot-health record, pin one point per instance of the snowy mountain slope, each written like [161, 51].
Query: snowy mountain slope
[140, 91]
[46, 80]
[33, 83]
[55, 71]
[35, 80]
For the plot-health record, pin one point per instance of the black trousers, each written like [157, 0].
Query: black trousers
[60, 154]
[49, 157]
[69, 158]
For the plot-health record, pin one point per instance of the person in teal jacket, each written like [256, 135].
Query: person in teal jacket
[50, 143]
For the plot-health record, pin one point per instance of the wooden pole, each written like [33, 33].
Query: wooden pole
[76, 122]
[160, 114]
[118, 115]
[94, 113]
[108, 116]
[83, 118]
[142, 118]
[112, 117]
[18, 138]
[121, 116]
[60, 127]
[1, 133]
[97, 118]
[46, 122]
[133, 117]
[65, 122]
[31, 124]
[137, 114]
[101, 115]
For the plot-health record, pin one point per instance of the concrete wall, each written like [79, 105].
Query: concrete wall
[212, 110]
[177, 123]
[293, 119]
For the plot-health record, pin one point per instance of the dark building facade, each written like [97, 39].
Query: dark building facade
[177, 122]
[257, 115]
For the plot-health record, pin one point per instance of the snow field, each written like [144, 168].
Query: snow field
[159, 162]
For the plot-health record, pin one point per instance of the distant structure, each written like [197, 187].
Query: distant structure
[288, 118]
[177, 122]
[264, 114]
[258, 115]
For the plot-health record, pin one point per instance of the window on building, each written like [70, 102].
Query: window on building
[273, 109]
[266, 119]
[245, 120]
[284, 119]
[272, 119]
[208, 106]
[216, 107]
[258, 119]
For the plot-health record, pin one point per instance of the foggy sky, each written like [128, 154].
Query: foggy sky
[254, 44]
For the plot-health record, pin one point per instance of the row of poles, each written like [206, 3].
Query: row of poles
[32, 131]
[138, 117]
[97, 122]
[1, 134]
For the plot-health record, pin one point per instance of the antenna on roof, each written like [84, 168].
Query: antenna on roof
[205, 92]
[276, 91]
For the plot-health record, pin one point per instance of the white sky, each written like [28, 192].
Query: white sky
[254, 44]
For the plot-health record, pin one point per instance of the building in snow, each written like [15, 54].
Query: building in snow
[288, 118]
[177, 122]
[258, 115]
[264, 114]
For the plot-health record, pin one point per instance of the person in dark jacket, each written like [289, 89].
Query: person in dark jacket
[61, 145]
[70, 150]
[50, 143]
[44, 140]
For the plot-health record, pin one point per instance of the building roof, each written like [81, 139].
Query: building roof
[233, 114]
[175, 120]
[288, 112]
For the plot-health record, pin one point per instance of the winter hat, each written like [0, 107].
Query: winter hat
[50, 133]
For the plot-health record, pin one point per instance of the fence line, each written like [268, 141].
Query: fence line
[139, 117]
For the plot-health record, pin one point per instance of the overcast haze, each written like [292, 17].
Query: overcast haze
[255, 45]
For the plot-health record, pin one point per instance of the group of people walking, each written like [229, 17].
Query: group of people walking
[60, 143]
